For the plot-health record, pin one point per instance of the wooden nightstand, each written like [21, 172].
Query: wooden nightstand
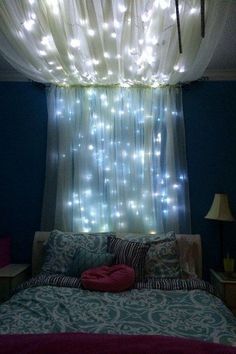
[11, 276]
[225, 288]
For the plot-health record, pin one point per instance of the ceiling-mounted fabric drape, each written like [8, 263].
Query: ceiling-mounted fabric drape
[116, 161]
[108, 42]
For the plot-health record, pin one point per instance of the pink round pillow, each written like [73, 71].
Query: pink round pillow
[115, 278]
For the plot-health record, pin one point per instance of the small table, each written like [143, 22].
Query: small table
[10, 276]
[225, 287]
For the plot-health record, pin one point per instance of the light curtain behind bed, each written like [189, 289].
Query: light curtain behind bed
[116, 160]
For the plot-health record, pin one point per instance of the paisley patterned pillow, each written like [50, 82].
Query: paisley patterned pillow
[61, 247]
[85, 259]
[162, 259]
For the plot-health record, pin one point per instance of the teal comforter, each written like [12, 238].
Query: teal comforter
[183, 313]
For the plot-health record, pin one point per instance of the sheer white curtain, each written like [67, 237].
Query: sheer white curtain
[117, 159]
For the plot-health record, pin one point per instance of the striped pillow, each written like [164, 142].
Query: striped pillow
[132, 254]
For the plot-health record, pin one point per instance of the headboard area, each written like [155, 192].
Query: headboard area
[190, 252]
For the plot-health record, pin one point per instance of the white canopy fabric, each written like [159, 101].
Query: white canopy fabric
[109, 42]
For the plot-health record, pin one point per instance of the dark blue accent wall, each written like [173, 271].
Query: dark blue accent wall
[210, 123]
[23, 129]
[210, 119]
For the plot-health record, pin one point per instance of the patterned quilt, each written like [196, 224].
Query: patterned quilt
[45, 307]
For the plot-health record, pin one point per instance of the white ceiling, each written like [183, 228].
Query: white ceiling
[221, 67]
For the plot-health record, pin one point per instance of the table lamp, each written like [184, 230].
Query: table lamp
[221, 212]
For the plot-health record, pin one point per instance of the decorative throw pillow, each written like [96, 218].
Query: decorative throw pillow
[116, 278]
[132, 254]
[84, 259]
[61, 247]
[163, 259]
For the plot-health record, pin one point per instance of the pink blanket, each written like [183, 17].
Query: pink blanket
[74, 343]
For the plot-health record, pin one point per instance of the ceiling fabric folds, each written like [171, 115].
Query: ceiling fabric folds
[109, 42]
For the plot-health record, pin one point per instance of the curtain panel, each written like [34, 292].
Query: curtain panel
[116, 160]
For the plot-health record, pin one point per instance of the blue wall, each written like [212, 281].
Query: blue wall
[210, 118]
[23, 128]
[210, 123]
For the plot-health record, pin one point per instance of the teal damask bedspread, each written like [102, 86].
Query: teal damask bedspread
[43, 309]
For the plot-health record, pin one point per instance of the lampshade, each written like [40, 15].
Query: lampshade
[220, 209]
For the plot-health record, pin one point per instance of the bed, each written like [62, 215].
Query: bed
[156, 315]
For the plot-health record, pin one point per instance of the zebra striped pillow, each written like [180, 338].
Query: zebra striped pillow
[130, 253]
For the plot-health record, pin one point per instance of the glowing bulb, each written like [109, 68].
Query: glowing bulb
[154, 40]
[91, 32]
[163, 4]
[42, 52]
[96, 62]
[29, 24]
[193, 10]
[124, 84]
[113, 35]
[106, 55]
[105, 26]
[52, 4]
[71, 57]
[103, 97]
[75, 43]
[122, 8]
[116, 24]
